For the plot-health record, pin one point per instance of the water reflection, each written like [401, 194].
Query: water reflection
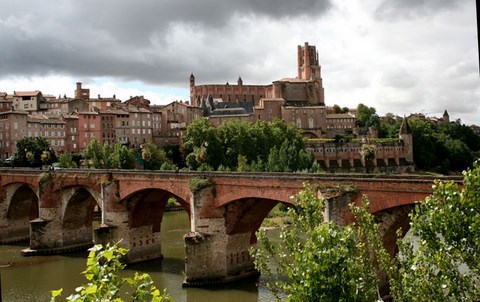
[32, 278]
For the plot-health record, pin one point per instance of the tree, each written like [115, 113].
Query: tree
[367, 116]
[444, 266]
[93, 155]
[65, 160]
[337, 109]
[104, 284]
[369, 153]
[124, 157]
[260, 146]
[202, 145]
[318, 261]
[435, 148]
[109, 160]
[33, 152]
[107, 156]
[459, 131]
[389, 126]
[153, 156]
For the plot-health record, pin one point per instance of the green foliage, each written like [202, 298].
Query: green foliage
[389, 127]
[444, 266]
[367, 116]
[93, 155]
[107, 156]
[434, 148]
[65, 160]
[33, 152]
[172, 202]
[245, 146]
[325, 262]
[337, 109]
[441, 147]
[317, 260]
[201, 145]
[124, 157]
[104, 284]
[174, 153]
[154, 157]
[197, 183]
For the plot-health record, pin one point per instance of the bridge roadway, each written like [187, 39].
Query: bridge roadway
[54, 209]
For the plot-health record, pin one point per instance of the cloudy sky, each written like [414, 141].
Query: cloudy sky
[397, 56]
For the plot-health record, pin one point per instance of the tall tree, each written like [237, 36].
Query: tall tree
[93, 155]
[367, 116]
[65, 160]
[435, 149]
[153, 156]
[124, 157]
[274, 146]
[33, 152]
[202, 145]
[444, 265]
[318, 261]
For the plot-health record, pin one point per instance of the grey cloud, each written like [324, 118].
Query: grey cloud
[391, 10]
[399, 78]
[130, 39]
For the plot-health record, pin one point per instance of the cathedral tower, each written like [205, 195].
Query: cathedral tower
[308, 65]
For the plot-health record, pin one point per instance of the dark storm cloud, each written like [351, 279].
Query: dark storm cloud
[127, 39]
[391, 10]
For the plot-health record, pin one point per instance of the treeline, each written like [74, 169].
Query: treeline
[36, 152]
[244, 146]
[441, 147]
[233, 146]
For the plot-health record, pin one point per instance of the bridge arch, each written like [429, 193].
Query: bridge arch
[78, 205]
[390, 221]
[247, 214]
[145, 209]
[21, 206]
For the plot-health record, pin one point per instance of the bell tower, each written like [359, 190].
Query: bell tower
[308, 65]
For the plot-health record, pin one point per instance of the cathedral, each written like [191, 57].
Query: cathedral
[305, 89]
[301, 101]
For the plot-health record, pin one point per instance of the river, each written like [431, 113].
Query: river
[32, 278]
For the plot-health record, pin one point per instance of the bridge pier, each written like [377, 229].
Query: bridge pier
[48, 236]
[64, 223]
[211, 255]
[143, 241]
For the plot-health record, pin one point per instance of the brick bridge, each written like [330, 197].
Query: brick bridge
[55, 210]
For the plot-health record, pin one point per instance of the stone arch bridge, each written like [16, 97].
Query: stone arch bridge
[54, 209]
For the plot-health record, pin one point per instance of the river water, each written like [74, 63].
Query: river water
[32, 278]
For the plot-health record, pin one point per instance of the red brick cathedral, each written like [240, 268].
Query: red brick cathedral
[305, 89]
